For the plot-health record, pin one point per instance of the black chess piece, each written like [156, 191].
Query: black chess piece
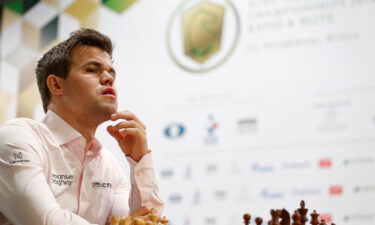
[246, 218]
[258, 221]
[314, 218]
[296, 218]
[303, 211]
[275, 217]
[285, 217]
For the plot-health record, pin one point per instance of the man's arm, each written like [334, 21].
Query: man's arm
[130, 133]
[25, 196]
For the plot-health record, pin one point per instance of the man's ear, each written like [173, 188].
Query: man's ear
[54, 84]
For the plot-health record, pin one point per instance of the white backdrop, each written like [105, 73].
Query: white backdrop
[289, 115]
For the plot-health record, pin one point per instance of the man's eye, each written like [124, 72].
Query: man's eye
[91, 70]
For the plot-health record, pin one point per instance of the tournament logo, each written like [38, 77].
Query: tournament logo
[201, 35]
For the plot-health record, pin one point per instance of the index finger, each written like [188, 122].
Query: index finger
[127, 115]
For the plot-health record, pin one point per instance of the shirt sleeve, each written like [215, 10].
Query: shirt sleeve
[25, 196]
[144, 190]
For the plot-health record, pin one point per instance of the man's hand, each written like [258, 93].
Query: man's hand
[130, 134]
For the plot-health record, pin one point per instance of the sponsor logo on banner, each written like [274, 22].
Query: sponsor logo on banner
[174, 130]
[201, 35]
[306, 191]
[212, 169]
[332, 115]
[167, 173]
[326, 217]
[257, 167]
[175, 198]
[221, 195]
[359, 217]
[296, 165]
[188, 171]
[358, 161]
[197, 197]
[210, 221]
[247, 125]
[211, 130]
[336, 190]
[265, 193]
[325, 163]
[364, 188]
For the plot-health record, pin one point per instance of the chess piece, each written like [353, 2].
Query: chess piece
[247, 218]
[164, 221]
[297, 219]
[322, 222]
[153, 216]
[303, 212]
[314, 218]
[138, 221]
[126, 221]
[275, 217]
[285, 217]
[258, 221]
[115, 220]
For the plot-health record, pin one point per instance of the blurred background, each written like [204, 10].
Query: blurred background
[250, 105]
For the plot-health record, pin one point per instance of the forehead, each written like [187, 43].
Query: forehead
[83, 53]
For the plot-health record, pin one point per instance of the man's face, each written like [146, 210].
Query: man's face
[89, 88]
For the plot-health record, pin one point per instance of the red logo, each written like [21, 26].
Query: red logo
[326, 217]
[325, 163]
[335, 190]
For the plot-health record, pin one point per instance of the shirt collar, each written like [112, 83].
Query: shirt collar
[62, 131]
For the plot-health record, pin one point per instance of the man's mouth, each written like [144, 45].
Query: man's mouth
[109, 92]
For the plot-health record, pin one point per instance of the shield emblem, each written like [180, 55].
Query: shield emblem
[202, 26]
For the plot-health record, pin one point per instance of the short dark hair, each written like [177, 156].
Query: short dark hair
[57, 60]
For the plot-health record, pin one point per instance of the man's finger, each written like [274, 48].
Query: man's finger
[129, 124]
[127, 115]
[144, 210]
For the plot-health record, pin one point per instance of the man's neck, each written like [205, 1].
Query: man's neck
[81, 123]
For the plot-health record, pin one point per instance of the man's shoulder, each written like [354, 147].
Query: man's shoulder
[20, 128]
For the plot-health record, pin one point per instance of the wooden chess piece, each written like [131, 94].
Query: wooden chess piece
[247, 218]
[303, 211]
[285, 217]
[322, 222]
[314, 218]
[275, 217]
[297, 219]
[258, 221]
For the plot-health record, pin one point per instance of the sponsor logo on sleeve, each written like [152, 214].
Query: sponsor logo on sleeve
[18, 158]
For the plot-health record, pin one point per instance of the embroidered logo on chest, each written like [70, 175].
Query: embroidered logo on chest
[62, 179]
[101, 185]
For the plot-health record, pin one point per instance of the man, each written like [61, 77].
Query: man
[56, 171]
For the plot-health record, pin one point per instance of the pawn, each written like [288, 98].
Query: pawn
[314, 218]
[258, 221]
[296, 218]
[247, 218]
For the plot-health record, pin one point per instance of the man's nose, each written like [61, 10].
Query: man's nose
[107, 79]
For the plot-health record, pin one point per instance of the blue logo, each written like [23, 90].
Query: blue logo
[174, 130]
[271, 194]
[261, 168]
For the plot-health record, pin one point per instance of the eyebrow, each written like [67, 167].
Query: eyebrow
[98, 64]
